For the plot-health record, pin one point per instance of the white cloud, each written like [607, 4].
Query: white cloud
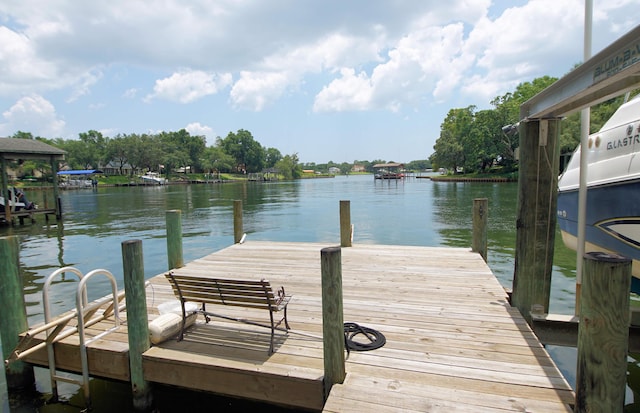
[280, 72]
[196, 129]
[349, 92]
[414, 58]
[254, 90]
[411, 53]
[83, 86]
[130, 93]
[32, 114]
[542, 37]
[425, 62]
[20, 66]
[189, 85]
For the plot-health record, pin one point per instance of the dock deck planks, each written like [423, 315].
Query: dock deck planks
[453, 341]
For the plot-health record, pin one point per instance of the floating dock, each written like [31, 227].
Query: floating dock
[453, 342]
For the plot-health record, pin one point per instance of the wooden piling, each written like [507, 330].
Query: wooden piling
[174, 239]
[237, 221]
[603, 334]
[345, 224]
[5, 187]
[332, 317]
[14, 315]
[536, 214]
[137, 321]
[56, 189]
[480, 217]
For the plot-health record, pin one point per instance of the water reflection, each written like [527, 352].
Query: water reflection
[407, 212]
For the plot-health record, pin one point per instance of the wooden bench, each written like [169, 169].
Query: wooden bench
[241, 293]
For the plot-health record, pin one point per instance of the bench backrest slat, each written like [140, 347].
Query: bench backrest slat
[253, 294]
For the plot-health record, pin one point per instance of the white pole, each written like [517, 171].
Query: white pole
[585, 120]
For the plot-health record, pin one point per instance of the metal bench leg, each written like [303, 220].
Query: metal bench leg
[286, 322]
[272, 332]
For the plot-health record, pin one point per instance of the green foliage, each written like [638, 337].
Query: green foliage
[418, 165]
[248, 153]
[216, 160]
[289, 167]
[474, 140]
[272, 157]
[23, 135]
[116, 152]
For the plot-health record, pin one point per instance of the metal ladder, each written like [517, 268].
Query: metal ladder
[84, 313]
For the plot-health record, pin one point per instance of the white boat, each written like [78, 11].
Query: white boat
[78, 179]
[613, 190]
[153, 178]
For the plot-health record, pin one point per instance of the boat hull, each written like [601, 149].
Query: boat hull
[612, 221]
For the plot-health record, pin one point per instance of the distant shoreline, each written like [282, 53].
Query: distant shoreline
[472, 179]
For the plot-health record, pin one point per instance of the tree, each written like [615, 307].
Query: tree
[418, 165]
[116, 152]
[454, 131]
[23, 135]
[95, 148]
[474, 140]
[134, 146]
[507, 111]
[183, 150]
[486, 132]
[247, 152]
[79, 155]
[272, 157]
[177, 149]
[289, 167]
[370, 167]
[215, 160]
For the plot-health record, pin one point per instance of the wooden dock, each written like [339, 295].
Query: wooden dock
[453, 343]
[29, 214]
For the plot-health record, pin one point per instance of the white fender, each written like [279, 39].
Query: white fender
[167, 326]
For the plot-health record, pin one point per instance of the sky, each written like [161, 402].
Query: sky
[327, 80]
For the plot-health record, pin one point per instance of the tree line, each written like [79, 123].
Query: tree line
[475, 142]
[346, 167]
[168, 151]
[164, 152]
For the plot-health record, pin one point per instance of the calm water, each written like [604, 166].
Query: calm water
[412, 212]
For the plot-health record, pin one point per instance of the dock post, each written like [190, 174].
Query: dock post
[174, 238]
[14, 315]
[536, 216]
[332, 317]
[603, 333]
[56, 190]
[137, 321]
[5, 187]
[345, 224]
[480, 217]
[237, 221]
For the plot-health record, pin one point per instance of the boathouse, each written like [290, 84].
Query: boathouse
[19, 150]
[391, 170]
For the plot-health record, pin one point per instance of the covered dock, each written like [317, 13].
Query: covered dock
[18, 150]
[392, 170]
[78, 178]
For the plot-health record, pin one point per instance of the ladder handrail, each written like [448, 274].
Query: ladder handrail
[47, 319]
[83, 308]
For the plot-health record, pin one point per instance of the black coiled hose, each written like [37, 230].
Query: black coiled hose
[376, 338]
